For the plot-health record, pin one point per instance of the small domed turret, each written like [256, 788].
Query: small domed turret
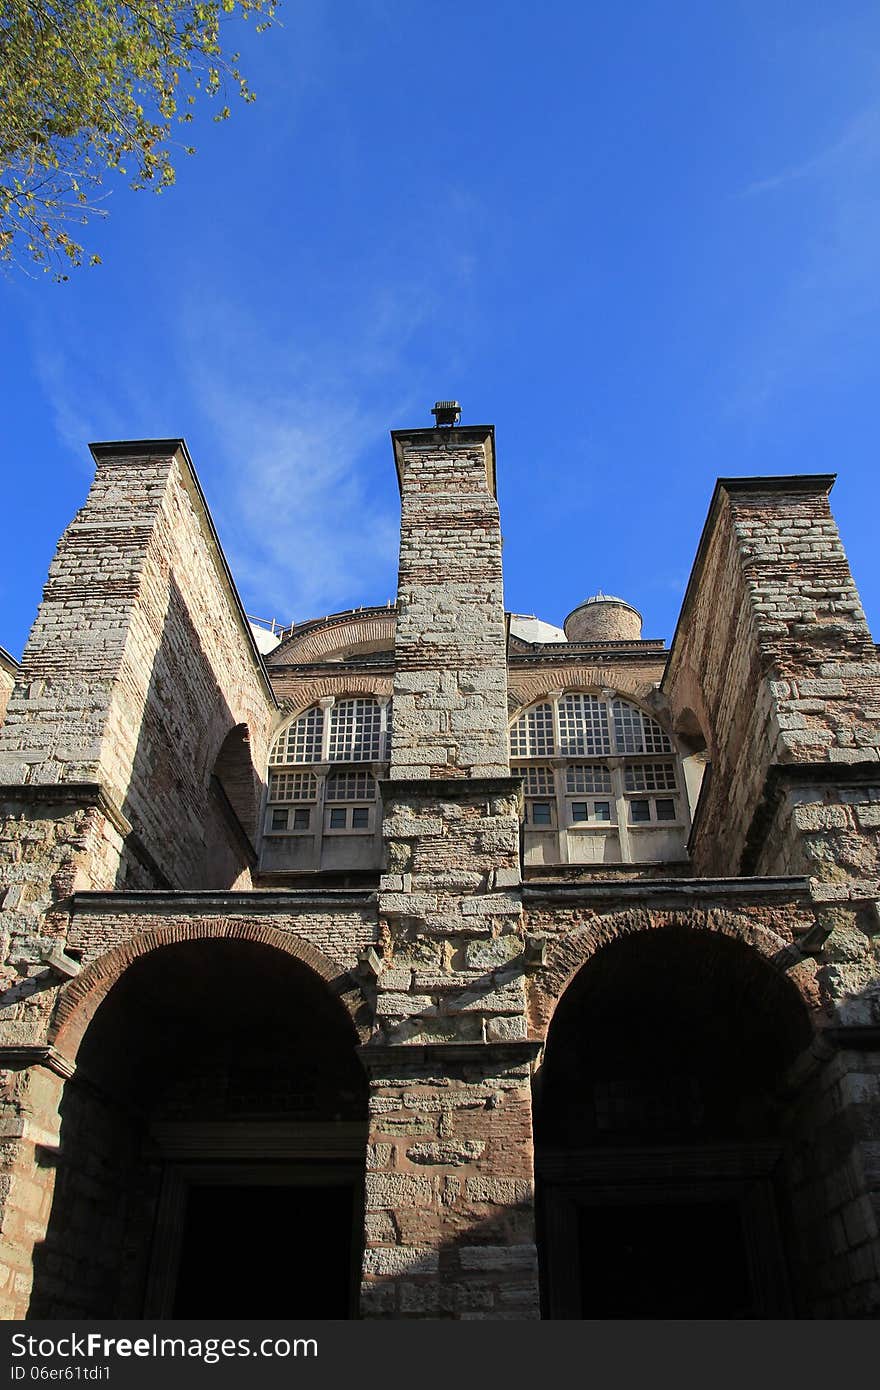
[604, 618]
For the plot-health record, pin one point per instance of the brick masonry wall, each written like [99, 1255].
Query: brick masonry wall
[603, 622]
[139, 663]
[450, 1220]
[449, 1190]
[450, 684]
[773, 653]
[138, 666]
[831, 1171]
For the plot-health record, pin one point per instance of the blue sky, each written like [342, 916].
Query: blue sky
[641, 239]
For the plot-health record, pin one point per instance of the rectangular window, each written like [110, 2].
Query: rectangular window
[649, 777]
[360, 818]
[292, 786]
[538, 780]
[590, 811]
[337, 818]
[302, 817]
[665, 807]
[350, 786]
[639, 812]
[588, 777]
[279, 820]
[541, 813]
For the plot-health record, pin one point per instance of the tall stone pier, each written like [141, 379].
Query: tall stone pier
[449, 1197]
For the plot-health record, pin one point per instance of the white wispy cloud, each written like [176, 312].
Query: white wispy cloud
[302, 475]
[859, 140]
[832, 279]
[303, 532]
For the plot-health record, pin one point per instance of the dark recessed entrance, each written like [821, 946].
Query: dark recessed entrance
[675, 1260]
[659, 1132]
[211, 1161]
[265, 1252]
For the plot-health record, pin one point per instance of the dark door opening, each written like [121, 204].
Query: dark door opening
[667, 1241]
[675, 1260]
[265, 1252]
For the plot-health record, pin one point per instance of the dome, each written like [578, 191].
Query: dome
[266, 641]
[604, 618]
[528, 628]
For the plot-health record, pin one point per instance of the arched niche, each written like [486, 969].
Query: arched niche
[663, 1131]
[212, 1141]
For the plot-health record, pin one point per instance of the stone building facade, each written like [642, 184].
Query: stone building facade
[432, 961]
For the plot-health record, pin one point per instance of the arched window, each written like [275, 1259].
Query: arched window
[602, 781]
[305, 796]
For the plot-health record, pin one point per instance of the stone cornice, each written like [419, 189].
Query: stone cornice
[458, 434]
[8, 662]
[384, 1056]
[148, 902]
[37, 1054]
[449, 788]
[92, 794]
[675, 891]
[781, 776]
[72, 794]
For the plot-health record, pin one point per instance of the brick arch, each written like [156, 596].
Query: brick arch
[568, 954]
[528, 690]
[367, 630]
[686, 698]
[81, 999]
[344, 686]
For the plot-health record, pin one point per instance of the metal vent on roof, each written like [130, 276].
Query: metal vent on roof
[446, 412]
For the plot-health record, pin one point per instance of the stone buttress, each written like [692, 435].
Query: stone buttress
[449, 1198]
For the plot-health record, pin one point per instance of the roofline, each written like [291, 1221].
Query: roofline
[165, 448]
[774, 482]
[7, 659]
[449, 432]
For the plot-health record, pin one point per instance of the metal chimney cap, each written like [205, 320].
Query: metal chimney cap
[446, 412]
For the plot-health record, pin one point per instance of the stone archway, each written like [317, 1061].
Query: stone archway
[81, 998]
[212, 1134]
[664, 1124]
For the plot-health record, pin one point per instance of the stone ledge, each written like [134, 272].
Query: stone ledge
[147, 901]
[375, 1056]
[71, 793]
[37, 1055]
[687, 889]
[447, 787]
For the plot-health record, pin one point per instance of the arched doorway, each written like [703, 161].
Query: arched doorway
[212, 1145]
[660, 1131]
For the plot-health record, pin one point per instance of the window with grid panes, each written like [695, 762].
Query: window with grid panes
[300, 742]
[532, 734]
[592, 729]
[540, 794]
[349, 731]
[355, 731]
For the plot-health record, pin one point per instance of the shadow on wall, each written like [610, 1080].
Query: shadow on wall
[194, 792]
